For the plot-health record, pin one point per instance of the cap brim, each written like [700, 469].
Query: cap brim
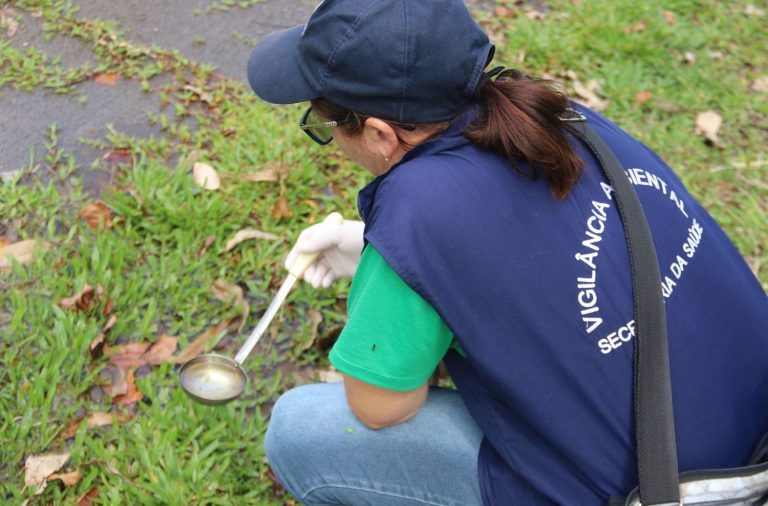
[273, 69]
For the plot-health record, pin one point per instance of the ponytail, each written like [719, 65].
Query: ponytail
[519, 120]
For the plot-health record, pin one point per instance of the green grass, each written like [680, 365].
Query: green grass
[177, 452]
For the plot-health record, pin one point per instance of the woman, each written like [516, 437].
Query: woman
[492, 242]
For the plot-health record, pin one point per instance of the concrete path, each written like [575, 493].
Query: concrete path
[212, 36]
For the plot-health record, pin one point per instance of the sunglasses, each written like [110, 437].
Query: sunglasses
[318, 130]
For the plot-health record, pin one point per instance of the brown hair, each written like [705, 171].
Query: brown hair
[518, 119]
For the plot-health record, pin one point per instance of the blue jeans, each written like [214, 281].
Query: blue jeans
[322, 454]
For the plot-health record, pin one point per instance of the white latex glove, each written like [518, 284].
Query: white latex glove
[339, 245]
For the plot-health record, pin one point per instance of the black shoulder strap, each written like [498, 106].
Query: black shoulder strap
[654, 422]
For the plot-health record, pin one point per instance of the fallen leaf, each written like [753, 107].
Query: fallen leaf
[97, 214]
[330, 375]
[198, 345]
[759, 85]
[130, 355]
[533, 13]
[117, 384]
[9, 175]
[133, 394]
[203, 95]
[751, 10]
[206, 244]
[22, 251]
[316, 318]
[97, 345]
[229, 292]
[635, 27]
[670, 17]
[39, 467]
[246, 234]
[69, 479]
[117, 157]
[501, 11]
[261, 176]
[205, 176]
[82, 301]
[107, 78]
[708, 124]
[689, 58]
[161, 351]
[643, 97]
[9, 21]
[88, 498]
[281, 209]
[588, 94]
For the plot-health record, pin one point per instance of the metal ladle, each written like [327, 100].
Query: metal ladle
[215, 379]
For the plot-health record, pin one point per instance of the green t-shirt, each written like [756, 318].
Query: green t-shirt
[393, 338]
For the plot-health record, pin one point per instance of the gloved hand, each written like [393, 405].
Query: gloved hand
[340, 246]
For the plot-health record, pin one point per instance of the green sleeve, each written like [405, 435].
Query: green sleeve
[393, 338]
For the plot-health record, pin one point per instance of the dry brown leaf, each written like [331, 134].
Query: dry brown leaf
[670, 17]
[108, 78]
[97, 345]
[229, 292]
[634, 28]
[267, 175]
[130, 355]
[161, 351]
[316, 318]
[9, 21]
[9, 175]
[751, 10]
[246, 234]
[587, 94]
[39, 467]
[206, 244]
[501, 11]
[197, 346]
[205, 176]
[708, 124]
[759, 85]
[22, 251]
[281, 209]
[133, 394]
[533, 13]
[102, 419]
[117, 381]
[83, 300]
[97, 214]
[69, 479]
[88, 498]
[203, 95]
[643, 97]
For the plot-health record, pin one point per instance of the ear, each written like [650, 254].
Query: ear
[380, 138]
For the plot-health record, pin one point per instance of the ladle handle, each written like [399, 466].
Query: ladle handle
[304, 260]
[295, 270]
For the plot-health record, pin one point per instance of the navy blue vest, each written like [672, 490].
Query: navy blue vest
[537, 292]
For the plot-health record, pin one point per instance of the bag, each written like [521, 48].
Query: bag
[660, 483]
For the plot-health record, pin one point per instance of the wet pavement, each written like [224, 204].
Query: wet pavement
[221, 38]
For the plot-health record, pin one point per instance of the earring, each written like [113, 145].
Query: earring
[386, 158]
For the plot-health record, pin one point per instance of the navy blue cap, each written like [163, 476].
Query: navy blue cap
[400, 60]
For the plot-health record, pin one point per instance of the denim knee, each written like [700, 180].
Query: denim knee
[297, 428]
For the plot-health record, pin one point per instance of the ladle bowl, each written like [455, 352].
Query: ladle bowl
[212, 379]
[216, 379]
